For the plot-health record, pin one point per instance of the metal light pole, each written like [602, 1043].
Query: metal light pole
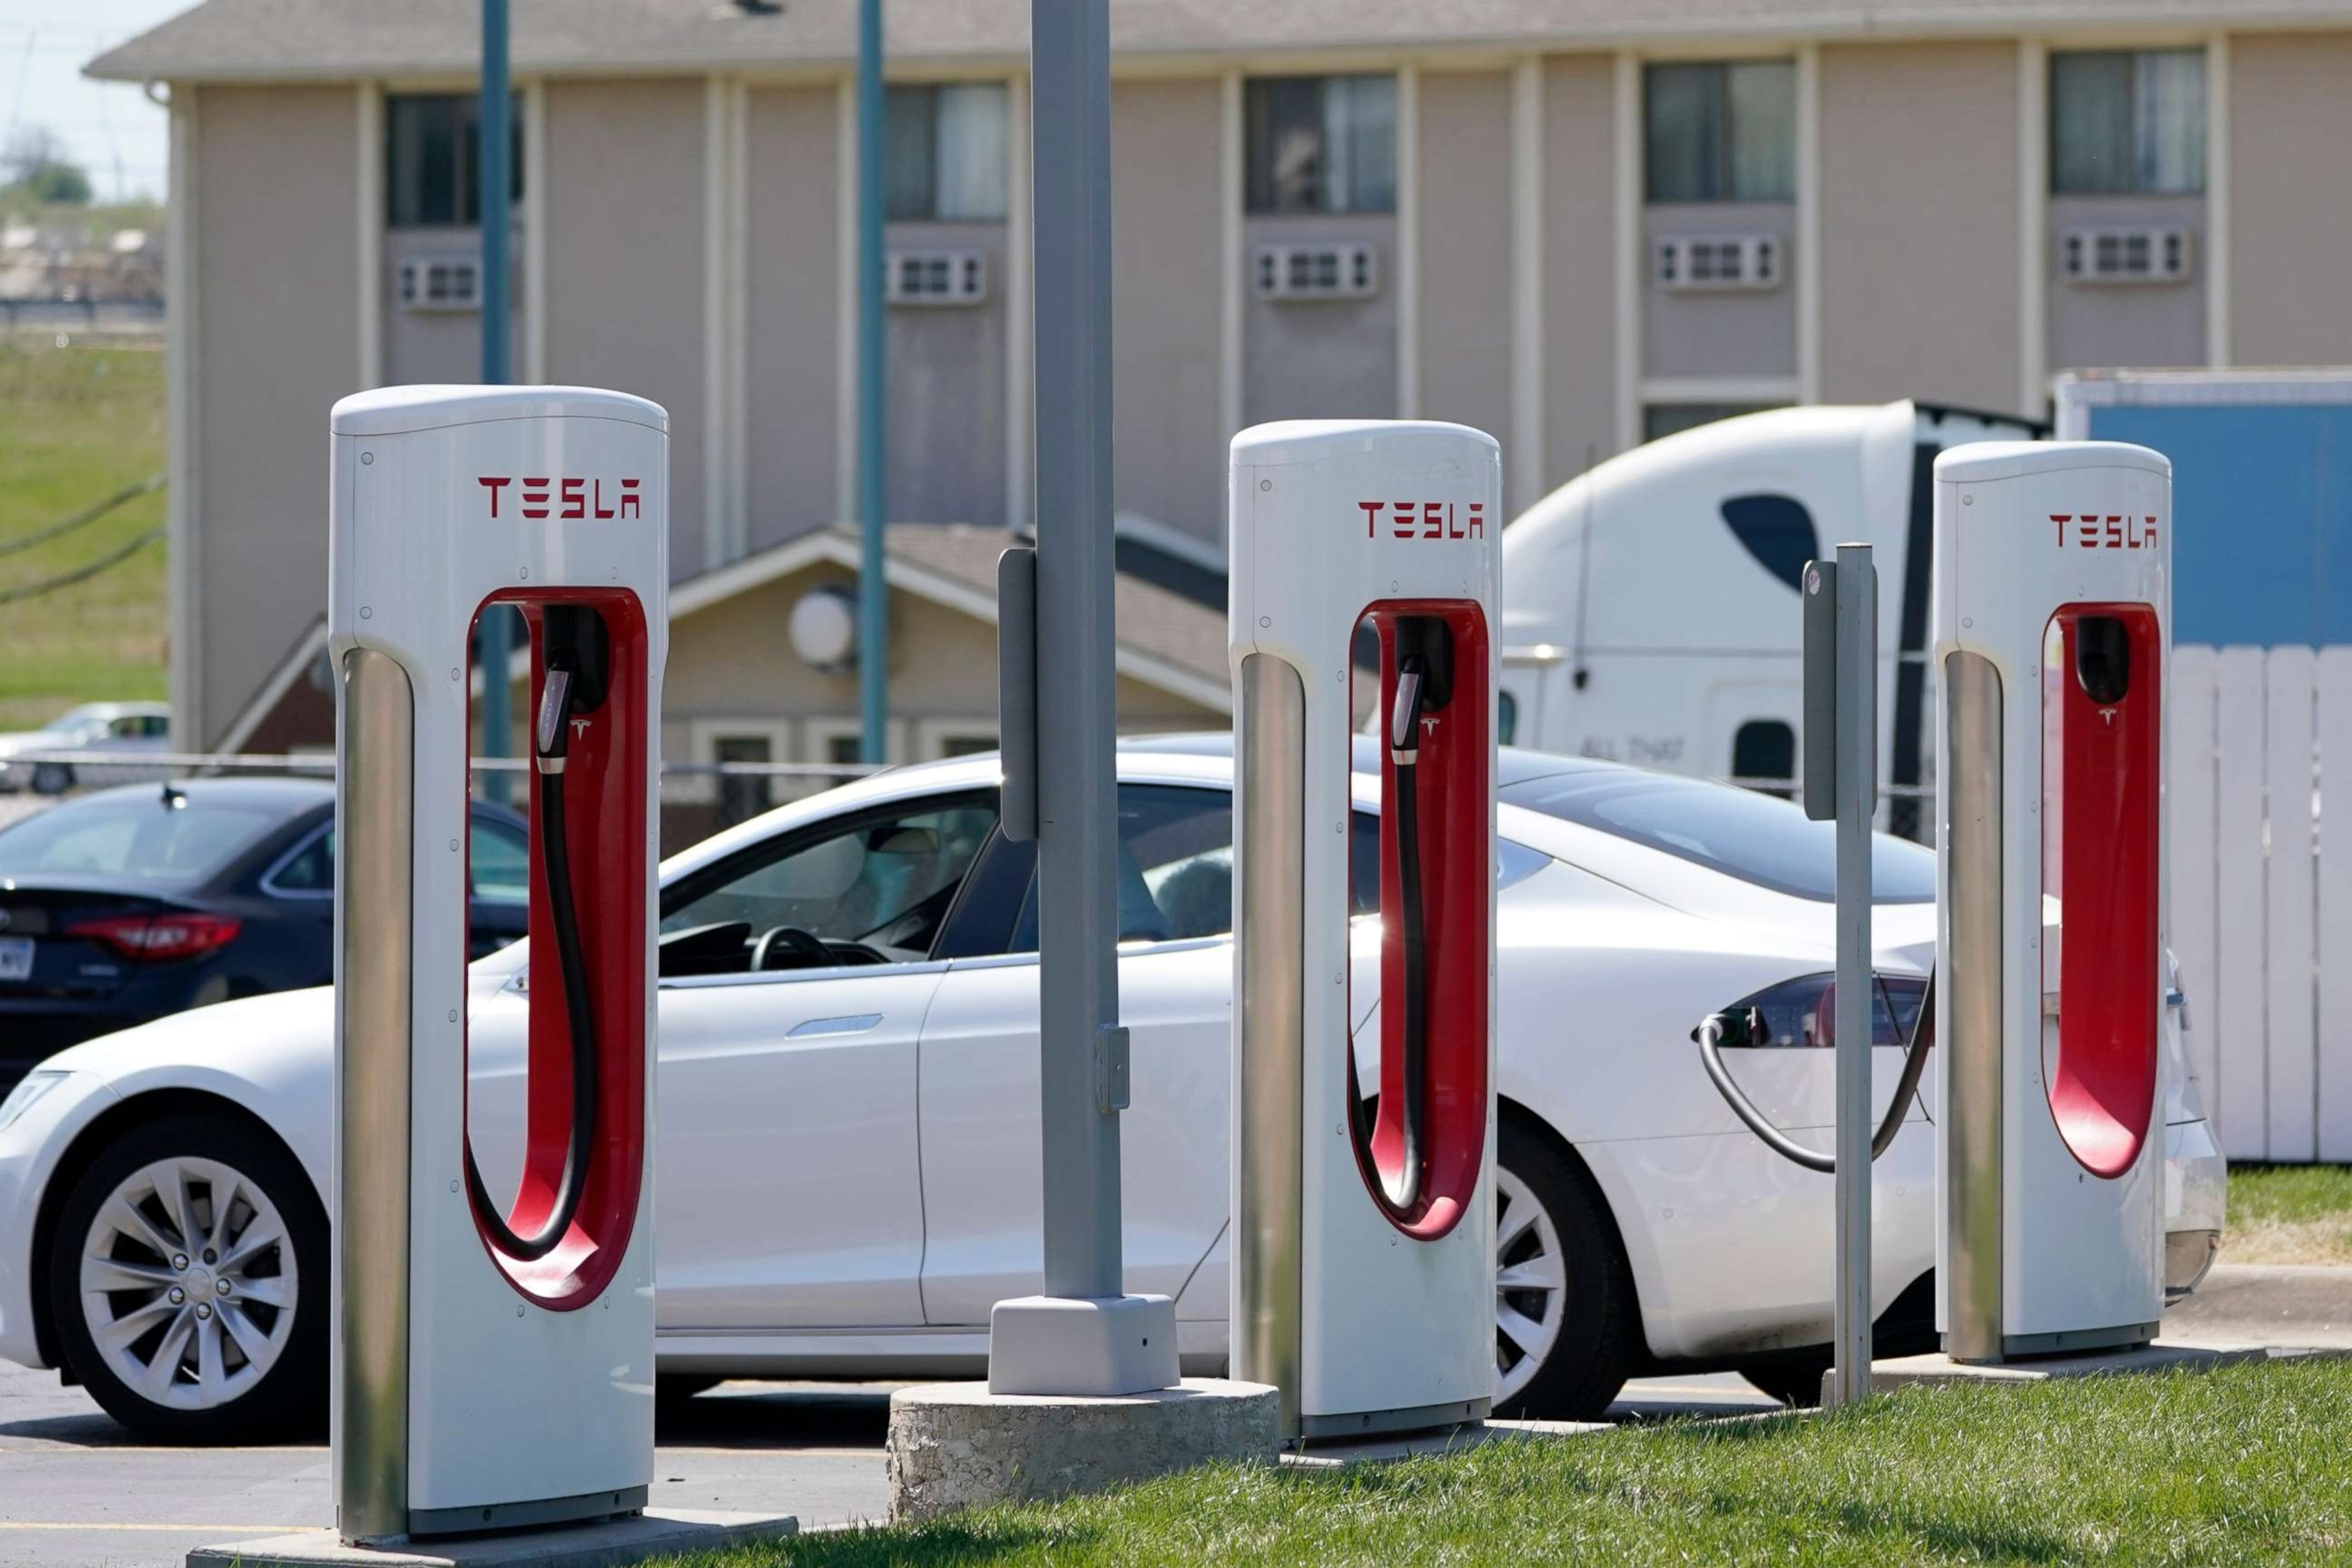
[1077, 796]
[1857, 802]
[1082, 1337]
[873, 594]
[494, 179]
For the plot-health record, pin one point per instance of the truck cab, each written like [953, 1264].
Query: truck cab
[1650, 604]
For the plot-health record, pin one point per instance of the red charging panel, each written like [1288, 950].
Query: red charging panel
[1457, 881]
[2101, 810]
[606, 827]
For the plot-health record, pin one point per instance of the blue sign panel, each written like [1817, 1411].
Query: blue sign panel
[2262, 499]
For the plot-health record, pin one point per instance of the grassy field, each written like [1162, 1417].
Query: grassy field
[2244, 1466]
[2289, 1214]
[77, 423]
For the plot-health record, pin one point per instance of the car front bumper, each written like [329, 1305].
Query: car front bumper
[30, 1149]
[2196, 1202]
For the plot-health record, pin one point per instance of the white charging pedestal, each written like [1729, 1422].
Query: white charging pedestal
[2053, 638]
[476, 1390]
[1363, 1273]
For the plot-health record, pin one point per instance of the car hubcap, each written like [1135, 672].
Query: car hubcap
[1530, 1285]
[188, 1283]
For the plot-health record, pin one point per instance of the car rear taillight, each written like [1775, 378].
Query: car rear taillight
[156, 937]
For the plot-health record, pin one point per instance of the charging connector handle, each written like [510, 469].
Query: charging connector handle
[554, 737]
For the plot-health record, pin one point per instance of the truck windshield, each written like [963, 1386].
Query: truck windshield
[1738, 832]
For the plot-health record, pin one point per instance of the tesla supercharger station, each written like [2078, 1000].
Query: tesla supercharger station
[1363, 1228]
[494, 1350]
[2054, 611]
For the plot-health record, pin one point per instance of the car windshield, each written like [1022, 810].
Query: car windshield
[1738, 832]
[73, 722]
[157, 837]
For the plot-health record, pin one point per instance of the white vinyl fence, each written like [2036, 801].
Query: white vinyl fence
[2262, 912]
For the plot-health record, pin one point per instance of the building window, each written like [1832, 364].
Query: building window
[1670, 418]
[742, 797]
[1721, 132]
[1321, 144]
[433, 159]
[945, 153]
[2128, 123]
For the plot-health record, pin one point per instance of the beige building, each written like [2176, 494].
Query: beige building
[1574, 223]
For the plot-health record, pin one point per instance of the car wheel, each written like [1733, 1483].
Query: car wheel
[1795, 1381]
[51, 778]
[188, 1283]
[1563, 1295]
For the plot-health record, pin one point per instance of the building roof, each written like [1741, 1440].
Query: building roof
[1165, 640]
[279, 40]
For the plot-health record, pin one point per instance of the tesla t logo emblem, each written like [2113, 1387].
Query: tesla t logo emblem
[577, 497]
[2092, 532]
[1425, 520]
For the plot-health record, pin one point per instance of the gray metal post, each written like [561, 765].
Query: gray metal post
[495, 178]
[873, 591]
[1857, 802]
[1077, 796]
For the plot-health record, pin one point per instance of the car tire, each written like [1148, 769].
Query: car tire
[215, 1211]
[1795, 1381]
[52, 778]
[1564, 1306]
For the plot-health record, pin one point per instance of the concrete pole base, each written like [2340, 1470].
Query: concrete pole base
[955, 1446]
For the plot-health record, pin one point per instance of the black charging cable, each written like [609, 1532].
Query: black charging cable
[1401, 1198]
[562, 693]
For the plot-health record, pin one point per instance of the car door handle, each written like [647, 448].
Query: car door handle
[856, 1024]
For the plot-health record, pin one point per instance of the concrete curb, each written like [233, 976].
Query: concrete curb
[2164, 1355]
[662, 1533]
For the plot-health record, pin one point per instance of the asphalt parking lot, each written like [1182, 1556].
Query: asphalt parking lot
[75, 1489]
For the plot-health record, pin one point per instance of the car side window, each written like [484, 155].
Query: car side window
[310, 871]
[1175, 867]
[498, 861]
[873, 889]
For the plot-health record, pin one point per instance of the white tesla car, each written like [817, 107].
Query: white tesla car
[847, 1158]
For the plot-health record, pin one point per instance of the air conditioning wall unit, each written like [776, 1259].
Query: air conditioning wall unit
[1712, 262]
[2134, 253]
[936, 278]
[1304, 273]
[451, 282]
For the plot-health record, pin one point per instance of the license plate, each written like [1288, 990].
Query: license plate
[15, 958]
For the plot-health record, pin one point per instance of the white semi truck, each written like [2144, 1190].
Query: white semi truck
[1650, 604]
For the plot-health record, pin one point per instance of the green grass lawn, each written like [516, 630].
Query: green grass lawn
[2289, 1214]
[77, 423]
[2249, 1465]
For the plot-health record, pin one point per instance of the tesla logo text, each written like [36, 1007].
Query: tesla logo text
[575, 498]
[2089, 532]
[1425, 520]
